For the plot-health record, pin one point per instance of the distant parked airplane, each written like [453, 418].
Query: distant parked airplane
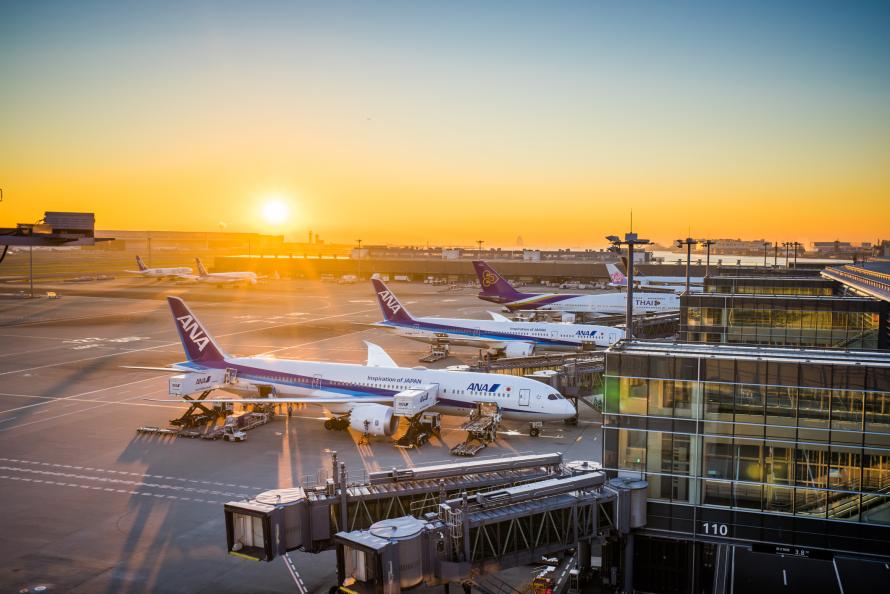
[223, 278]
[665, 283]
[497, 290]
[182, 272]
[515, 339]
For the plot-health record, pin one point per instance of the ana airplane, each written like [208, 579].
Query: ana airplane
[497, 290]
[357, 396]
[500, 334]
[224, 278]
[182, 272]
[676, 284]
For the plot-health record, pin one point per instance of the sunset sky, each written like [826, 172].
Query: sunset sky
[447, 122]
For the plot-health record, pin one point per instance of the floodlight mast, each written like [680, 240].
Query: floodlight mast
[630, 240]
[688, 242]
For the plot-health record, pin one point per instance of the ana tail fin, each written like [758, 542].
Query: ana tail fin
[392, 308]
[196, 341]
[201, 270]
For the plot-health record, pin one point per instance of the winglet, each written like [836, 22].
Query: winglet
[377, 357]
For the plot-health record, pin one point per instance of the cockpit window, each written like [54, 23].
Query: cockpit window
[554, 397]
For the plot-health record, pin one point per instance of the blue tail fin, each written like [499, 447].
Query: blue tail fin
[393, 310]
[494, 287]
[198, 344]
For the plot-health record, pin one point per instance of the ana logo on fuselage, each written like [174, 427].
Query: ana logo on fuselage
[390, 301]
[587, 333]
[191, 329]
[483, 387]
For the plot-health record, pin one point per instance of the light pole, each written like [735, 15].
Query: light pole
[787, 246]
[630, 240]
[707, 243]
[359, 258]
[765, 246]
[479, 242]
[688, 242]
[796, 245]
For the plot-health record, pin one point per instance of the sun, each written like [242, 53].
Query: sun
[275, 211]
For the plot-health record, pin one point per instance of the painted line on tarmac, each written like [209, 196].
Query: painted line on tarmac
[120, 482]
[78, 395]
[87, 400]
[127, 473]
[177, 343]
[106, 489]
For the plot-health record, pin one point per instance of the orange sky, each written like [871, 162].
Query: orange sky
[400, 133]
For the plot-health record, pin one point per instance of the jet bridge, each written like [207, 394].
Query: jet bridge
[307, 517]
[494, 530]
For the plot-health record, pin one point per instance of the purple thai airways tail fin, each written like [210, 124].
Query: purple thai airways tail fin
[140, 263]
[393, 310]
[201, 270]
[494, 287]
[198, 344]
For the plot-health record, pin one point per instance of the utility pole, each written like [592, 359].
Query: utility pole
[787, 246]
[630, 240]
[688, 242]
[707, 243]
[479, 242]
[796, 245]
[765, 245]
[775, 254]
[31, 270]
[359, 258]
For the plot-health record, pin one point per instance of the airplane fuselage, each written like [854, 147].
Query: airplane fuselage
[457, 391]
[602, 303]
[497, 334]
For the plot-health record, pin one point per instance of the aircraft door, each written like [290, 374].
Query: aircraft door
[525, 397]
[316, 381]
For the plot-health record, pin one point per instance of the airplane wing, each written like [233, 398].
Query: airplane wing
[285, 400]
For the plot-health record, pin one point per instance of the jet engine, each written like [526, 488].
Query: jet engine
[373, 419]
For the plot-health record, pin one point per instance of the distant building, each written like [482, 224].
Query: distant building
[737, 246]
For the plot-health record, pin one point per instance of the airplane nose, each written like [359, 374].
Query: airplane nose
[569, 409]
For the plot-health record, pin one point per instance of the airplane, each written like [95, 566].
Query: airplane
[500, 334]
[181, 272]
[223, 278]
[497, 290]
[676, 284]
[354, 395]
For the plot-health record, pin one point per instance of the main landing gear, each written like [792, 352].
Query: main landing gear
[534, 428]
[337, 424]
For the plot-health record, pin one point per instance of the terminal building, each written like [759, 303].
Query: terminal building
[752, 455]
[785, 320]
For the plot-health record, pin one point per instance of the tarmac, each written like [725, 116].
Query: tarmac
[89, 505]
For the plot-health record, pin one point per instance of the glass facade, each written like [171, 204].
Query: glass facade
[829, 322]
[771, 286]
[801, 435]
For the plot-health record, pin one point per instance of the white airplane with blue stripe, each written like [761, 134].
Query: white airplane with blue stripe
[357, 396]
[500, 334]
